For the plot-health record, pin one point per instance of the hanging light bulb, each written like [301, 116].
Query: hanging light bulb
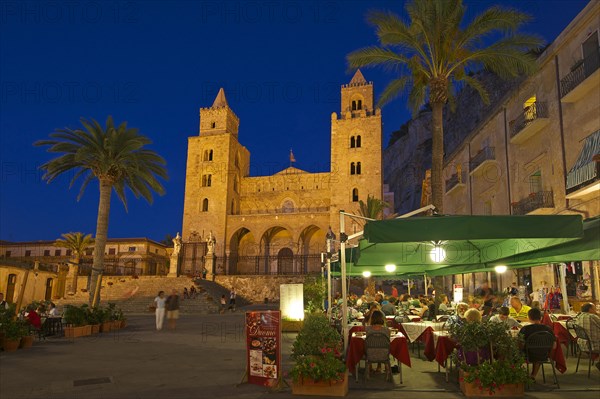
[390, 268]
[500, 268]
[366, 274]
[438, 254]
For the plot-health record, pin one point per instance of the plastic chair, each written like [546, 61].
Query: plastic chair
[377, 350]
[585, 345]
[537, 350]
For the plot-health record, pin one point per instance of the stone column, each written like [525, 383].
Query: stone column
[210, 264]
[174, 266]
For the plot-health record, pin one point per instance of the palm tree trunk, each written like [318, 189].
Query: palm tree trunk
[101, 236]
[73, 275]
[437, 156]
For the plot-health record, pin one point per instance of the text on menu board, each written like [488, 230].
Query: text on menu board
[263, 340]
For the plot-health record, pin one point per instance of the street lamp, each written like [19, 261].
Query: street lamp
[330, 237]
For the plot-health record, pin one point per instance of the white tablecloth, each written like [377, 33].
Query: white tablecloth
[415, 329]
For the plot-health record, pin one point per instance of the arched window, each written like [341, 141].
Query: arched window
[205, 205]
[206, 180]
[205, 157]
[353, 105]
[358, 141]
[355, 195]
[210, 155]
[232, 207]
[353, 142]
[352, 168]
[213, 125]
[358, 168]
[359, 104]
[235, 184]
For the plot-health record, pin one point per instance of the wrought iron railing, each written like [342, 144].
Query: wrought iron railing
[529, 114]
[485, 154]
[255, 265]
[279, 211]
[454, 180]
[541, 199]
[579, 72]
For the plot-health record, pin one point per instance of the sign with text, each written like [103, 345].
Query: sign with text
[263, 342]
[457, 293]
[291, 301]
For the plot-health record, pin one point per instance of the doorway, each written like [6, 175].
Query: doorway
[10, 288]
[49, 283]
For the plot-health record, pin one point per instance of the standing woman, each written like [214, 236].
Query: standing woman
[160, 309]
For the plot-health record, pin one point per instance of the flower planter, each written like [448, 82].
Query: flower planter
[75, 332]
[471, 389]
[306, 386]
[10, 345]
[123, 323]
[95, 328]
[87, 330]
[26, 342]
[106, 326]
[116, 325]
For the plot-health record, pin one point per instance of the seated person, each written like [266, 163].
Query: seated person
[443, 304]
[486, 312]
[428, 310]
[535, 318]
[503, 317]
[34, 319]
[377, 324]
[458, 318]
[472, 316]
[589, 320]
[389, 308]
[518, 310]
[53, 312]
[374, 307]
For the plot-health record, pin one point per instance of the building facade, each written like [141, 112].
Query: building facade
[276, 224]
[537, 151]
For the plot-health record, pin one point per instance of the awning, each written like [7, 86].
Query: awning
[584, 170]
[466, 241]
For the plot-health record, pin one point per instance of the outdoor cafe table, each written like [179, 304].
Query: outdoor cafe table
[438, 346]
[356, 349]
[419, 331]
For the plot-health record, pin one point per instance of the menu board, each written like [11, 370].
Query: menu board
[458, 293]
[263, 342]
[291, 301]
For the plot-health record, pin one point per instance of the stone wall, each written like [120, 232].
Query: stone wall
[257, 288]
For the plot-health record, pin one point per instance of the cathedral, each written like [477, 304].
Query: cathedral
[276, 224]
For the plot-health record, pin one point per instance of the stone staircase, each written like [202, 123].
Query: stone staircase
[135, 296]
[216, 290]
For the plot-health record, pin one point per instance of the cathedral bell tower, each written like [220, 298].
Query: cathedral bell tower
[356, 162]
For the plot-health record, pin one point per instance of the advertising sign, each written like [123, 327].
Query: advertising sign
[263, 342]
[457, 293]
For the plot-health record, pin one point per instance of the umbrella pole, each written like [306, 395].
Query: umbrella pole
[563, 287]
[408, 286]
[343, 270]
[425, 283]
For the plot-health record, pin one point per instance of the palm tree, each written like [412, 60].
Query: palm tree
[373, 208]
[114, 156]
[434, 54]
[77, 243]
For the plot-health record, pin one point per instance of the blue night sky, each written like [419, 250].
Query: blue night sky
[154, 64]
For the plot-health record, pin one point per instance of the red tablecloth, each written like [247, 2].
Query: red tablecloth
[559, 358]
[356, 351]
[563, 335]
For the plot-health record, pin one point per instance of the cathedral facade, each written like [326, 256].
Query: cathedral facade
[276, 224]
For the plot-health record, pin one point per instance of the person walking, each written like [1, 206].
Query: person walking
[172, 306]
[159, 303]
[232, 296]
[223, 303]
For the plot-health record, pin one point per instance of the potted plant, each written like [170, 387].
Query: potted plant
[319, 369]
[13, 330]
[75, 320]
[489, 359]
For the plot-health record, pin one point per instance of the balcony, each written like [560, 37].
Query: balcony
[484, 157]
[533, 119]
[584, 76]
[584, 176]
[456, 182]
[533, 202]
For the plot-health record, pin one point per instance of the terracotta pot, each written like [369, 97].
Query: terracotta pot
[10, 345]
[74, 332]
[106, 326]
[95, 328]
[26, 342]
[116, 325]
[307, 386]
[470, 389]
[87, 330]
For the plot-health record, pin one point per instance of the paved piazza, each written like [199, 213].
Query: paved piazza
[203, 358]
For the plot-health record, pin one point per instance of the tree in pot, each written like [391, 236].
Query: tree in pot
[489, 359]
[75, 319]
[319, 369]
[13, 331]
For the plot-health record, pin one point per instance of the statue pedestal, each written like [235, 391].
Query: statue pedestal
[173, 267]
[209, 264]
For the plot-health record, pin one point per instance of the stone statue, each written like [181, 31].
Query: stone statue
[176, 245]
[210, 243]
